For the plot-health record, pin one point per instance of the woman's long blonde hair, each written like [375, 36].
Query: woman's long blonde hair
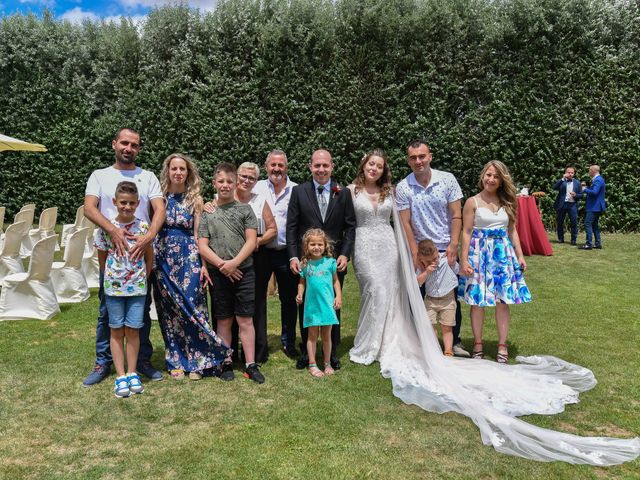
[193, 183]
[506, 190]
[316, 232]
[384, 182]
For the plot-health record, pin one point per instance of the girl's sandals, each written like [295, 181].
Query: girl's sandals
[315, 371]
[477, 353]
[502, 357]
[328, 369]
[448, 353]
[177, 374]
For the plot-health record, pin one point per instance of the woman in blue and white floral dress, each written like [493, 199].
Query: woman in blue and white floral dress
[191, 345]
[492, 263]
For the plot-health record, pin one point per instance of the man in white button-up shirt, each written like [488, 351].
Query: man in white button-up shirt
[273, 257]
[429, 205]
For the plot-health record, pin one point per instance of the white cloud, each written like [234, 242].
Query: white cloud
[77, 15]
[43, 3]
[203, 5]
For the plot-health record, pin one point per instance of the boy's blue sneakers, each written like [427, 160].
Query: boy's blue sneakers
[135, 385]
[121, 388]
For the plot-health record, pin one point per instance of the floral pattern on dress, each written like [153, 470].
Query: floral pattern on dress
[497, 276]
[190, 342]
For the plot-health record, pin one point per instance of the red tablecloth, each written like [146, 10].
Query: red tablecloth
[533, 237]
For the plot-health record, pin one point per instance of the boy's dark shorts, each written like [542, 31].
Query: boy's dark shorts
[233, 298]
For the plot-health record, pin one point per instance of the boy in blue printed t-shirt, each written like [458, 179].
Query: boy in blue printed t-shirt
[125, 288]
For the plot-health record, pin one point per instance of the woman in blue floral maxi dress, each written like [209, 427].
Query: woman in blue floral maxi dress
[191, 345]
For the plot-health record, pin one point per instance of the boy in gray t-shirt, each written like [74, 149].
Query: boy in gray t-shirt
[227, 239]
[225, 229]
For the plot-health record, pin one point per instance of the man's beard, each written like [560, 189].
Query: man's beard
[128, 160]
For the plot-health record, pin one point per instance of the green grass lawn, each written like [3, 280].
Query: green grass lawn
[585, 310]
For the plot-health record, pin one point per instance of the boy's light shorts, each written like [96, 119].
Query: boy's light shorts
[126, 311]
[442, 309]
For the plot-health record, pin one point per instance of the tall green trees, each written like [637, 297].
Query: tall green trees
[538, 84]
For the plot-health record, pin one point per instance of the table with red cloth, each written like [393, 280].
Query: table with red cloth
[533, 237]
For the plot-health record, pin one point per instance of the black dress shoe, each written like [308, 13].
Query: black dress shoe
[303, 362]
[290, 351]
[598, 247]
[585, 247]
[560, 241]
[335, 362]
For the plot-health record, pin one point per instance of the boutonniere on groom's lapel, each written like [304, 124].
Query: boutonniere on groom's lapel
[335, 190]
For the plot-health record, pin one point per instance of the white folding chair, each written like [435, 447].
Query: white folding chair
[10, 261]
[67, 277]
[28, 206]
[46, 228]
[31, 294]
[90, 265]
[69, 228]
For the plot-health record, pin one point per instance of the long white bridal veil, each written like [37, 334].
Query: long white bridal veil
[491, 395]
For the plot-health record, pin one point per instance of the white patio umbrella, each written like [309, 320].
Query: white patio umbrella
[8, 143]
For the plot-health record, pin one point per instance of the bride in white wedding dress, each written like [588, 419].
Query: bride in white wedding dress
[393, 328]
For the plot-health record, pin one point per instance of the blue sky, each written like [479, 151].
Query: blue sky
[78, 10]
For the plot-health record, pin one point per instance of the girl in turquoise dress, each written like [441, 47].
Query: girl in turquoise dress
[320, 280]
[491, 260]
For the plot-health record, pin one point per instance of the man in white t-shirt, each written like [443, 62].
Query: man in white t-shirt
[429, 205]
[99, 208]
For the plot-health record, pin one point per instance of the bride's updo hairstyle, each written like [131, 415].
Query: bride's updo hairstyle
[506, 190]
[193, 183]
[384, 182]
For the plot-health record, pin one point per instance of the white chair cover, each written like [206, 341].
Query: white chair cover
[46, 228]
[31, 294]
[10, 261]
[90, 266]
[67, 277]
[69, 228]
[153, 313]
[2, 211]
[25, 215]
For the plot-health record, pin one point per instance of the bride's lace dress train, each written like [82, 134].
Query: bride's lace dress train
[491, 395]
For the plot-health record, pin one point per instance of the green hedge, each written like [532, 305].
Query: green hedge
[536, 83]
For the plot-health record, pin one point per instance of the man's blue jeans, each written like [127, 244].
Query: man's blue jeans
[592, 227]
[103, 332]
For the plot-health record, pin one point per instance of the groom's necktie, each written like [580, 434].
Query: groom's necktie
[322, 201]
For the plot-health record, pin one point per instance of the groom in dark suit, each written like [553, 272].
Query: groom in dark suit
[569, 192]
[321, 203]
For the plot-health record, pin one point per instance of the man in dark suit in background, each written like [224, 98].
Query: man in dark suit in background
[569, 192]
[595, 206]
[321, 203]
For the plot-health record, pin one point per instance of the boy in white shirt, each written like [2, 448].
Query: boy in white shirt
[440, 283]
